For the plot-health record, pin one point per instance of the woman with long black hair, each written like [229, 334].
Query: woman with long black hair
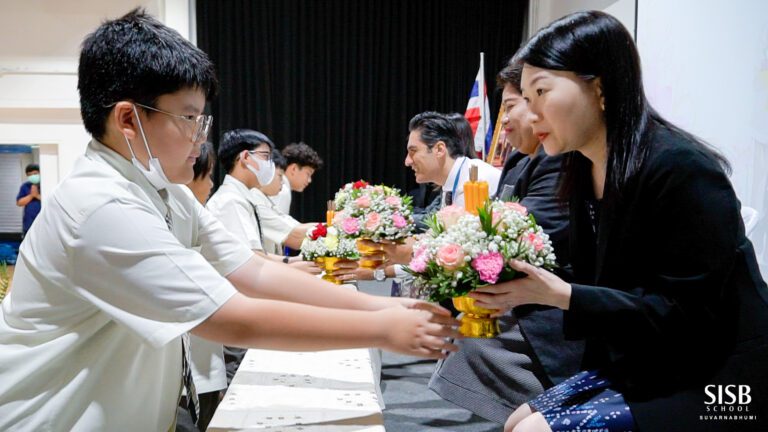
[667, 292]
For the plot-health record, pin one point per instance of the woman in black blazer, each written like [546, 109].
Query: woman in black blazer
[667, 291]
[492, 377]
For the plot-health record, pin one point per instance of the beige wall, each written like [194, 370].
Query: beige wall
[38, 71]
[543, 12]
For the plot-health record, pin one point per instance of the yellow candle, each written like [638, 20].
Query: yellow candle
[469, 196]
[482, 188]
[329, 217]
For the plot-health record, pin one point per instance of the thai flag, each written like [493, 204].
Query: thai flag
[479, 114]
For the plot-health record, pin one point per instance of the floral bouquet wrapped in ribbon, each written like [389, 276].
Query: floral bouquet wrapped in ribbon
[375, 213]
[462, 251]
[324, 246]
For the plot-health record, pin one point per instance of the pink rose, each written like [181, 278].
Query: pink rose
[372, 221]
[450, 256]
[393, 201]
[363, 202]
[350, 225]
[489, 265]
[516, 207]
[418, 263]
[535, 241]
[338, 218]
[448, 216]
[399, 220]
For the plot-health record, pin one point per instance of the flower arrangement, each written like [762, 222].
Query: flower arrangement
[461, 251]
[324, 241]
[372, 212]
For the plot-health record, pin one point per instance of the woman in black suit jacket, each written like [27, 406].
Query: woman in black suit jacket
[667, 292]
[492, 377]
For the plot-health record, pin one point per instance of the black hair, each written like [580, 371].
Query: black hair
[32, 167]
[204, 163]
[593, 44]
[279, 160]
[511, 74]
[433, 127]
[139, 59]
[235, 141]
[464, 132]
[302, 155]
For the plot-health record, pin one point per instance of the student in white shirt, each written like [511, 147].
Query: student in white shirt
[208, 369]
[107, 281]
[246, 157]
[279, 228]
[302, 162]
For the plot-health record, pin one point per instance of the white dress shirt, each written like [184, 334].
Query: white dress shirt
[283, 198]
[233, 206]
[275, 225]
[102, 292]
[485, 172]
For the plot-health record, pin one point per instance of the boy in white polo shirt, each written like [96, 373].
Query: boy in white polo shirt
[107, 282]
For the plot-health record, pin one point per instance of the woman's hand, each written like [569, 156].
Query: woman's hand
[538, 287]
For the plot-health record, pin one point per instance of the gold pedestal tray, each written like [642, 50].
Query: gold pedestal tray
[476, 321]
[328, 265]
[371, 257]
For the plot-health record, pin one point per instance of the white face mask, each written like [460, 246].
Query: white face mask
[155, 174]
[265, 173]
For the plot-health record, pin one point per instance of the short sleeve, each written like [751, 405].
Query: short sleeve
[275, 225]
[23, 190]
[220, 248]
[127, 263]
[238, 220]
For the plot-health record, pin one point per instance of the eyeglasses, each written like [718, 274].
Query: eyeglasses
[266, 155]
[201, 123]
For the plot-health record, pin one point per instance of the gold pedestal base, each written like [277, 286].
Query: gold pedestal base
[476, 321]
[371, 257]
[328, 265]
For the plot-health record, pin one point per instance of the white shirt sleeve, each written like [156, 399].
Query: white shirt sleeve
[219, 247]
[275, 225]
[239, 220]
[133, 269]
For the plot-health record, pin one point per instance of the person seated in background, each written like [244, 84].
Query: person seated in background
[246, 156]
[29, 197]
[436, 153]
[464, 133]
[492, 377]
[107, 284]
[302, 162]
[208, 370]
[278, 228]
[437, 150]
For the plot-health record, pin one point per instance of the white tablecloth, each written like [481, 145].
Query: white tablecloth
[315, 391]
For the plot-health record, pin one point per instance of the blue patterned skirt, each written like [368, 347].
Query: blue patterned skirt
[585, 403]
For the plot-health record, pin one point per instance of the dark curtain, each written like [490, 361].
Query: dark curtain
[346, 76]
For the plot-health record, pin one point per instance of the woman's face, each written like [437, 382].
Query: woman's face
[565, 110]
[516, 122]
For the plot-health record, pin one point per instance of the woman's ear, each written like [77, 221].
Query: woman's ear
[598, 88]
[124, 118]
